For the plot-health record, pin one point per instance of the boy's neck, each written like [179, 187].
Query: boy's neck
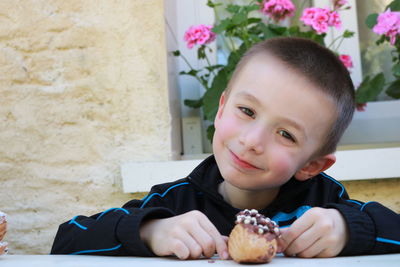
[246, 199]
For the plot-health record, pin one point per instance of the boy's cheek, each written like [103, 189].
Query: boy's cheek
[281, 161]
[226, 128]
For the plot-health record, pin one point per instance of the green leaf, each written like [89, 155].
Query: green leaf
[371, 20]
[210, 132]
[204, 81]
[348, 34]
[212, 4]
[239, 18]
[201, 52]
[251, 8]
[193, 103]
[294, 31]
[233, 9]
[253, 20]
[255, 38]
[222, 26]
[269, 32]
[369, 89]
[234, 57]
[319, 38]
[394, 89]
[278, 29]
[394, 5]
[214, 67]
[192, 72]
[176, 53]
[396, 70]
[211, 96]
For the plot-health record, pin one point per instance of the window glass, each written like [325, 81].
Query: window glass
[374, 58]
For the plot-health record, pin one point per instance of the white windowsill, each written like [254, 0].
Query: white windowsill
[357, 164]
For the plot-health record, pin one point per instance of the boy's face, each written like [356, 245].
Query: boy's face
[269, 126]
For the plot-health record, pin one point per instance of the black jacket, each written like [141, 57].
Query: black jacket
[373, 228]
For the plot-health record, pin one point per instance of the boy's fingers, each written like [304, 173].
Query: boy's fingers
[180, 249]
[193, 244]
[220, 243]
[290, 234]
[303, 243]
[305, 239]
[312, 251]
[204, 239]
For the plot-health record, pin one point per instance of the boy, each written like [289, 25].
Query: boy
[277, 127]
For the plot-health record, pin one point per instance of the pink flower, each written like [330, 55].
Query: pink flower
[320, 19]
[388, 24]
[346, 60]
[200, 35]
[334, 20]
[308, 15]
[277, 9]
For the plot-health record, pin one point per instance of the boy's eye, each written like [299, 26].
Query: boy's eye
[247, 111]
[287, 135]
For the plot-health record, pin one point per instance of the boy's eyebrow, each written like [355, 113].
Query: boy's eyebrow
[249, 97]
[252, 98]
[295, 125]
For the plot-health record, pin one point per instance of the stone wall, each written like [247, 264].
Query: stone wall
[83, 88]
[384, 191]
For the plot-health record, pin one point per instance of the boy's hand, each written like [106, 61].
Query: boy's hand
[188, 236]
[318, 233]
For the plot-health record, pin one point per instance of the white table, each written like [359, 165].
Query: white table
[390, 260]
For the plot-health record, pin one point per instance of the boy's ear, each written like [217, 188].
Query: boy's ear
[220, 106]
[315, 166]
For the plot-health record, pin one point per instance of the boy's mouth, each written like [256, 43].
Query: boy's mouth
[242, 163]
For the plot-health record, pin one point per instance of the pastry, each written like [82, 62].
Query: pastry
[254, 238]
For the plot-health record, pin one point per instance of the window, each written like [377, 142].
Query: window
[366, 127]
[380, 124]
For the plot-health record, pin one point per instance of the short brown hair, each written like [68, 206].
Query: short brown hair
[322, 68]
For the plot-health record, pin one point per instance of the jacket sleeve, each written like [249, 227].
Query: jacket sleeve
[112, 232]
[373, 228]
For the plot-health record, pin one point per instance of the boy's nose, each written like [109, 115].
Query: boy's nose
[254, 139]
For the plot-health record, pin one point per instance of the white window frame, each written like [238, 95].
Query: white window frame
[360, 164]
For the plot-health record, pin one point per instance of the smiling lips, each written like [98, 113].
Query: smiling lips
[243, 164]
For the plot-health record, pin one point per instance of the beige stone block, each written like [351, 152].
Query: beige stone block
[384, 191]
[83, 88]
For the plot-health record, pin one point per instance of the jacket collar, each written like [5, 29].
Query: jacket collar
[206, 177]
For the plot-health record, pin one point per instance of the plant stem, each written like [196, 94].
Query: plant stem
[334, 40]
[209, 64]
[303, 3]
[224, 39]
[186, 61]
[191, 68]
[341, 41]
